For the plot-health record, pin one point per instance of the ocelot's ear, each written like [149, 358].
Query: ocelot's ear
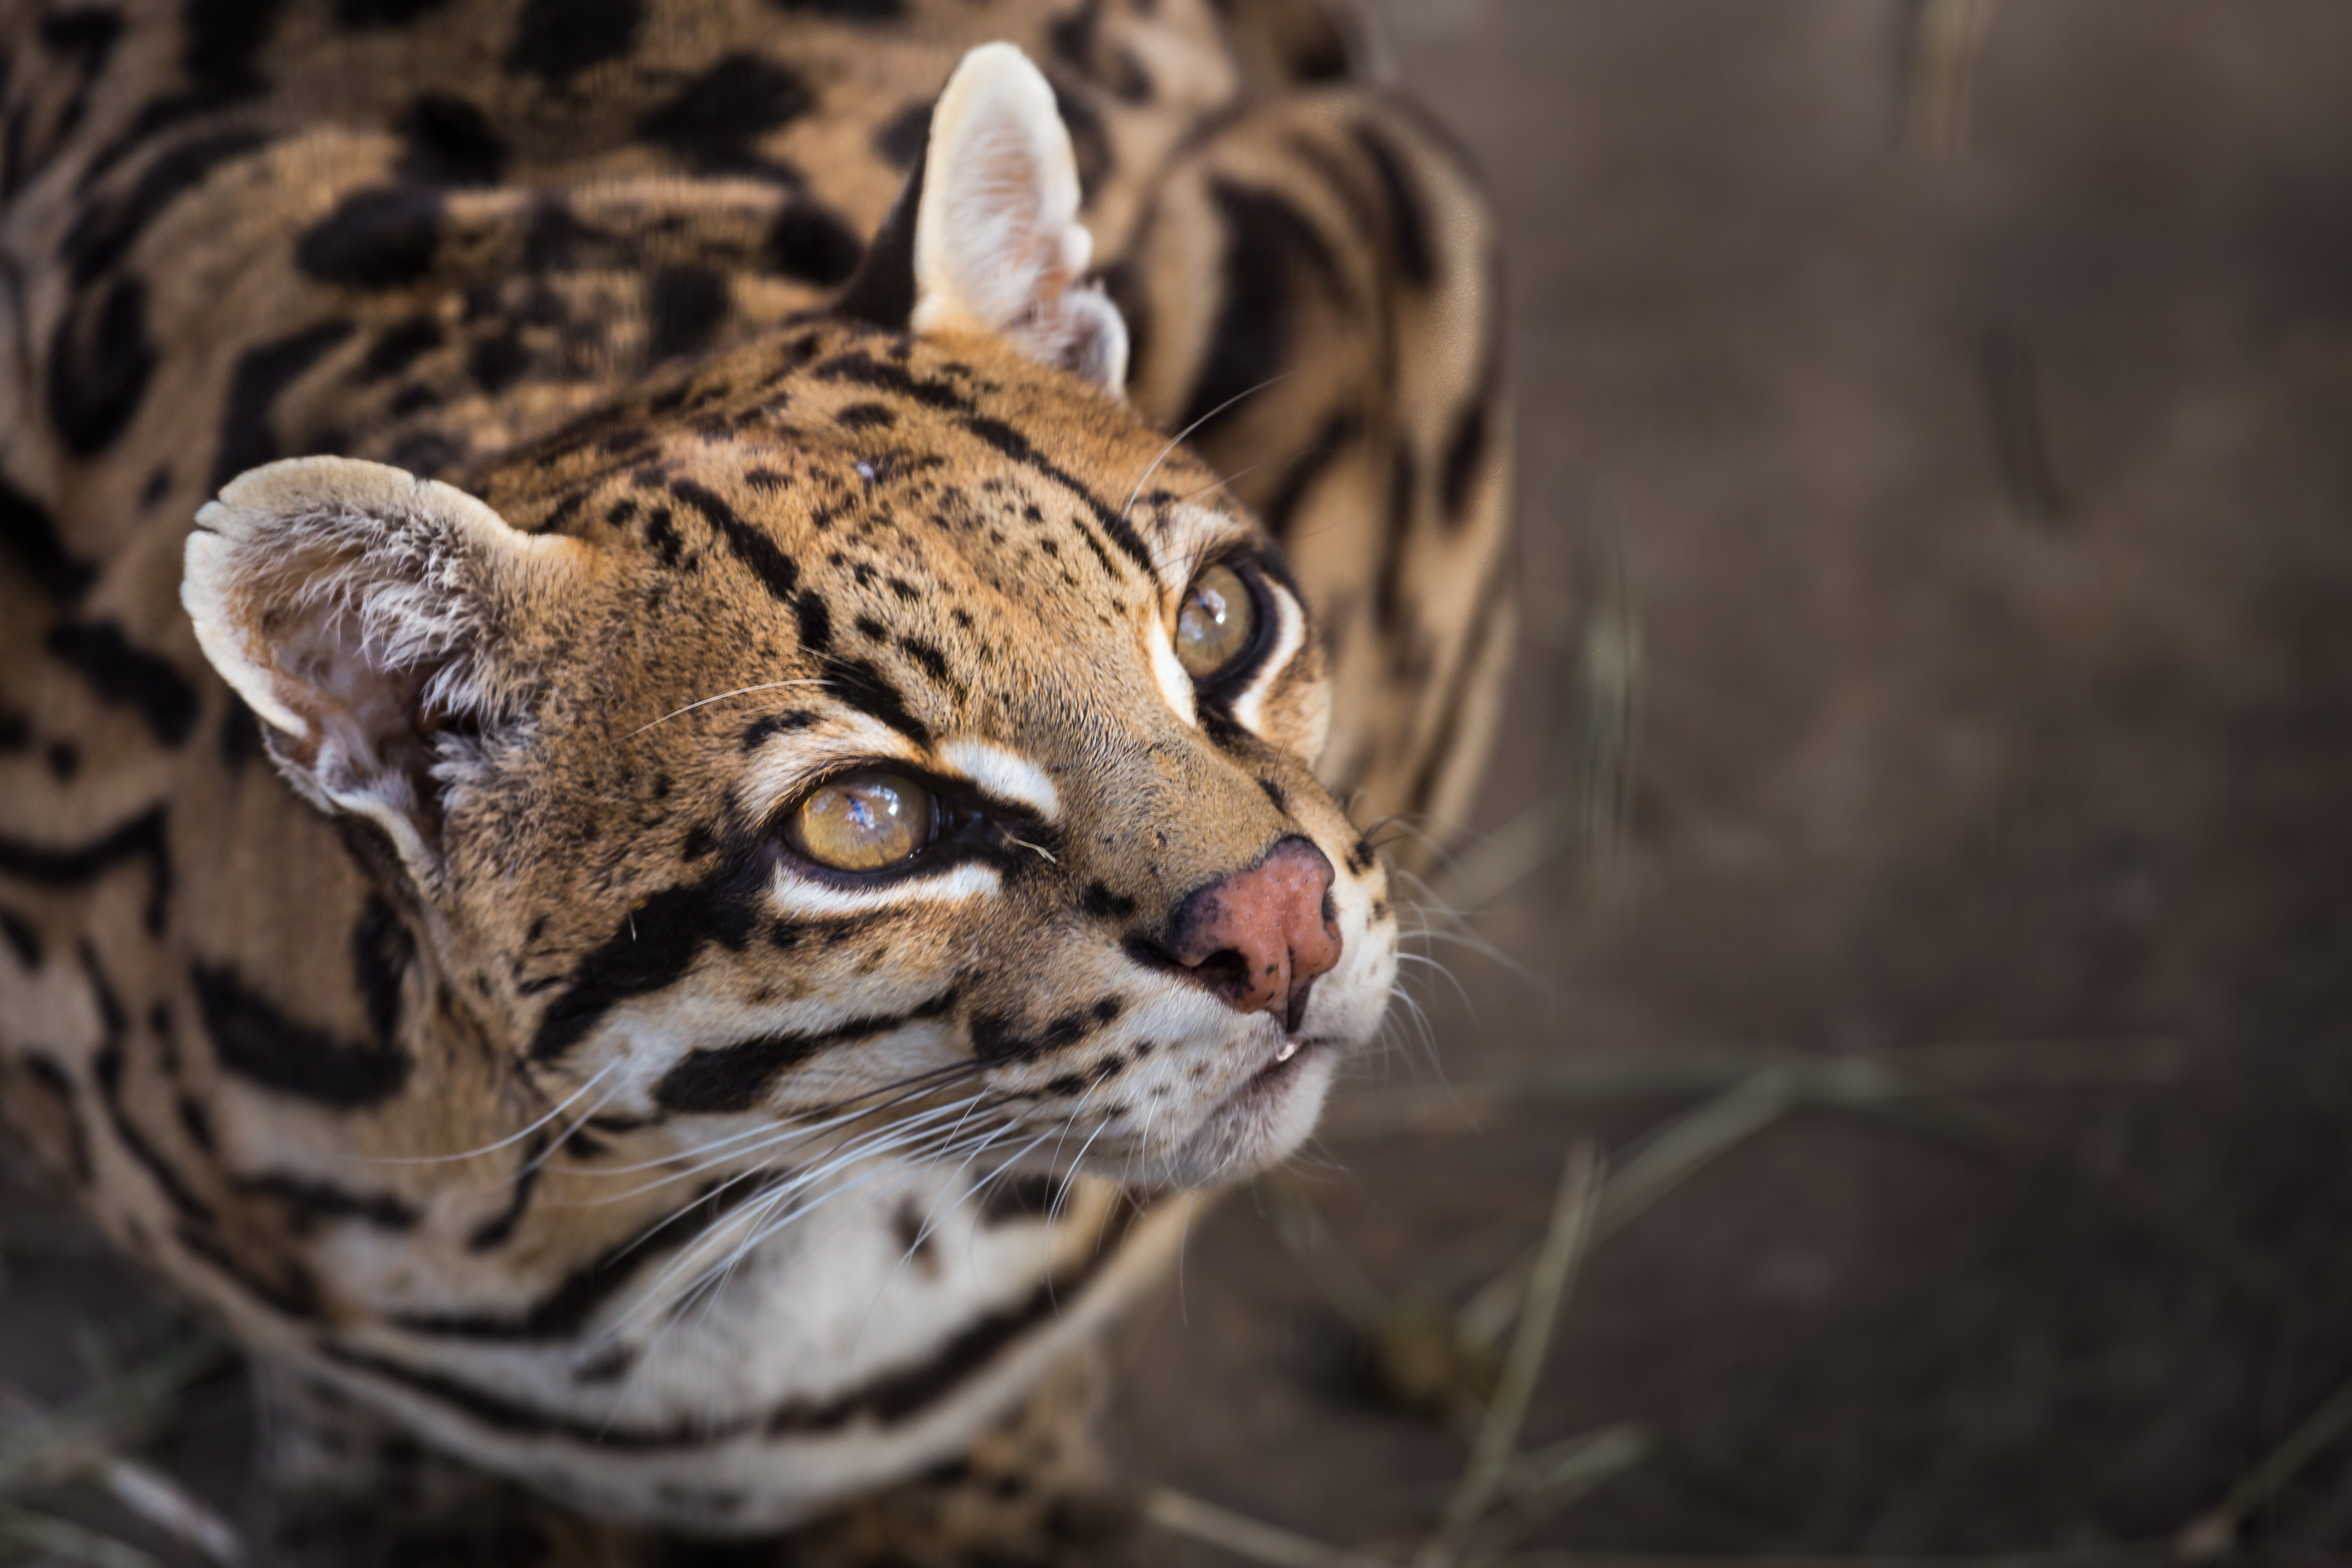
[368, 617]
[986, 237]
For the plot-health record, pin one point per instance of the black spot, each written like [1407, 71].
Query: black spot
[662, 538]
[498, 361]
[683, 308]
[450, 142]
[736, 1077]
[158, 485]
[651, 948]
[29, 535]
[255, 1041]
[815, 622]
[713, 120]
[263, 373]
[241, 734]
[1268, 246]
[399, 345]
[558, 39]
[16, 733]
[1396, 537]
[843, 10]
[381, 951]
[105, 232]
[1408, 214]
[1101, 902]
[143, 837]
[866, 416]
[1466, 455]
[934, 662]
[873, 630]
[383, 12]
[125, 675]
[64, 759]
[902, 138]
[100, 367]
[222, 43]
[381, 237]
[758, 733]
[22, 939]
[812, 245]
[1065, 1086]
[755, 549]
[88, 33]
[197, 1123]
[767, 481]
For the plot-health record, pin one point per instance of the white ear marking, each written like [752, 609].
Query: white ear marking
[998, 246]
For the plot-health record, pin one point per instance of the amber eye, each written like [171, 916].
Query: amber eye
[1216, 623]
[863, 821]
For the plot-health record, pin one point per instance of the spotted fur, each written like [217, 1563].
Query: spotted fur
[602, 420]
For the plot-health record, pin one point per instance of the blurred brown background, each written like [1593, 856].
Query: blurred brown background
[1937, 432]
[1937, 485]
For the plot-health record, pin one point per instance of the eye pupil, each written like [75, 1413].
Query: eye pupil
[1216, 623]
[863, 821]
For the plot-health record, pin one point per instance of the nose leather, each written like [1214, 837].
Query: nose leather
[1259, 937]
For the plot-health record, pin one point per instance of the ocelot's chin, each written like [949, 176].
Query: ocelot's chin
[1260, 1124]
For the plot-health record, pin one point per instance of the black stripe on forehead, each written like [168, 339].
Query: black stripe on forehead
[863, 370]
[774, 568]
[857, 683]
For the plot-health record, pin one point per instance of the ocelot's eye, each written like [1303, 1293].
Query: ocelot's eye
[1216, 623]
[867, 820]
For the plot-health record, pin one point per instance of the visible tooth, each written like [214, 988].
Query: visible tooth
[1290, 1048]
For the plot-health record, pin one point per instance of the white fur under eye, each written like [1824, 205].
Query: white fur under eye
[795, 894]
[1289, 636]
[1168, 670]
[1004, 774]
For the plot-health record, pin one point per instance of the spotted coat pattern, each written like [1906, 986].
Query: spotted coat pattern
[617, 1159]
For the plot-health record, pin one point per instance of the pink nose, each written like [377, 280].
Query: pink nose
[1259, 937]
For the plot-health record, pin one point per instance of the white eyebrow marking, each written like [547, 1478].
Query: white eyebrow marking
[1290, 635]
[1004, 774]
[1174, 684]
[801, 896]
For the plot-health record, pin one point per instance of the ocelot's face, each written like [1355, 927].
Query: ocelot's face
[915, 733]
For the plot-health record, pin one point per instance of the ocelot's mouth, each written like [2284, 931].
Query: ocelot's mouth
[1290, 1059]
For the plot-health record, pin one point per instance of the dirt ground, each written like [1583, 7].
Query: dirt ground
[1936, 434]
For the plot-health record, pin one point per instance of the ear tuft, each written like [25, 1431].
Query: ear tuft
[998, 246]
[361, 612]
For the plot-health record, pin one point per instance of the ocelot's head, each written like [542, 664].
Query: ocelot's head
[877, 719]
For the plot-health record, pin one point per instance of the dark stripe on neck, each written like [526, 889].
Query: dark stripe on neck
[566, 1310]
[889, 1399]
